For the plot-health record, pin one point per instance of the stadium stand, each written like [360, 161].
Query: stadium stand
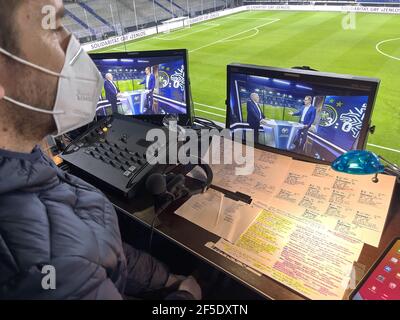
[92, 20]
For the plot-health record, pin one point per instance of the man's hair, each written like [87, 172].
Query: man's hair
[7, 24]
[254, 94]
[309, 98]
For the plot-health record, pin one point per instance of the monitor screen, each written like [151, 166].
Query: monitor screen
[307, 113]
[144, 84]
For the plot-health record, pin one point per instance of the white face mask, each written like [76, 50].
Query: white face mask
[79, 88]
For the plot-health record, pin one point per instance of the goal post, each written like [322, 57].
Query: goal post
[175, 24]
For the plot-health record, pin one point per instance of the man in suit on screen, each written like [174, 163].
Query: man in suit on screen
[254, 114]
[307, 116]
[150, 85]
[112, 92]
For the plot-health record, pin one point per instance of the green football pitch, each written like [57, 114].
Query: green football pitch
[287, 39]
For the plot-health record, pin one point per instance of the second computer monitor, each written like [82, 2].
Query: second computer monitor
[310, 114]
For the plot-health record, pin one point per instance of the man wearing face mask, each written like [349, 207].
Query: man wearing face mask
[48, 217]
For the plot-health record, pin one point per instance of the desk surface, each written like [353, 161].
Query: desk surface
[193, 238]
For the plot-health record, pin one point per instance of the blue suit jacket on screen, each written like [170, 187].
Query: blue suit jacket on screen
[111, 91]
[310, 115]
[254, 115]
[152, 82]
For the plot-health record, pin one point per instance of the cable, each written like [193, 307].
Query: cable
[152, 231]
[157, 213]
[169, 188]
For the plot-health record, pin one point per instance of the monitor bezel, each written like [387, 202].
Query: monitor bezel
[184, 119]
[331, 79]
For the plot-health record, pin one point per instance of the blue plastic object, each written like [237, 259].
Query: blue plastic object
[358, 162]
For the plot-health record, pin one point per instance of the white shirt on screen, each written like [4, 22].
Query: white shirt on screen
[258, 109]
[147, 81]
[304, 113]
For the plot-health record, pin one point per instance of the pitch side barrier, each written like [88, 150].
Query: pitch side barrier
[214, 15]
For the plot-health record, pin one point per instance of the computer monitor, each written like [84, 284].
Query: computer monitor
[303, 113]
[147, 85]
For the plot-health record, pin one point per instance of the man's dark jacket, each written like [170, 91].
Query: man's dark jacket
[48, 217]
[111, 95]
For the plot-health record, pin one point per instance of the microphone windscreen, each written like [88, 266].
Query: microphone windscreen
[177, 182]
[156, 184]
[169, 177]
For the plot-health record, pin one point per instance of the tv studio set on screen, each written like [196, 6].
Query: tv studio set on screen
[227, 152]
[144, 85]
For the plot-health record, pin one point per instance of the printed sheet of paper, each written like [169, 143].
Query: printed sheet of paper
[220, 215]
[314, 262]
[352, 205]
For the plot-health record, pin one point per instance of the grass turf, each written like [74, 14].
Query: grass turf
[316, 39]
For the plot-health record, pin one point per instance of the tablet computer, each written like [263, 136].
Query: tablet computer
[382, 281]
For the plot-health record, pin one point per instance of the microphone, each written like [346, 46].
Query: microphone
[156, 184]
[168, 188]
[165, 189]
[176, 183]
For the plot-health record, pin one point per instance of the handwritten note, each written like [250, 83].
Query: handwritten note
[313, 261]
[352, 205]
[307, 223]
[268, 173]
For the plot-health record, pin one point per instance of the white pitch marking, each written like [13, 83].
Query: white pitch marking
[385, 148]
[385, 54]
[232, 36]
[212, 107]
[248, 37]
[213, 25]
[234, 18]
[215, 114]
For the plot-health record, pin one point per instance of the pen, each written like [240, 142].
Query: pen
[220, 208]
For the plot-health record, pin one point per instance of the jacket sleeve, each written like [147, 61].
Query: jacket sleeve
[107, 89]
[312, 117]
[153, 82]
[145, 273]
[80, 280]
[180, 295]
[298, 113]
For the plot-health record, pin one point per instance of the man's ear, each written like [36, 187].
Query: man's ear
[1, 92]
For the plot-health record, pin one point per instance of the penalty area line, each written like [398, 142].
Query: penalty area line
[232, 36]
[382, 147]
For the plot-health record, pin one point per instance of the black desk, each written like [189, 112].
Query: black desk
[193, 238]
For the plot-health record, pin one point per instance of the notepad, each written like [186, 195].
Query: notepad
[227, 218]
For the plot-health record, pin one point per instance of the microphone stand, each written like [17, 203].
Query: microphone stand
[164, 204]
